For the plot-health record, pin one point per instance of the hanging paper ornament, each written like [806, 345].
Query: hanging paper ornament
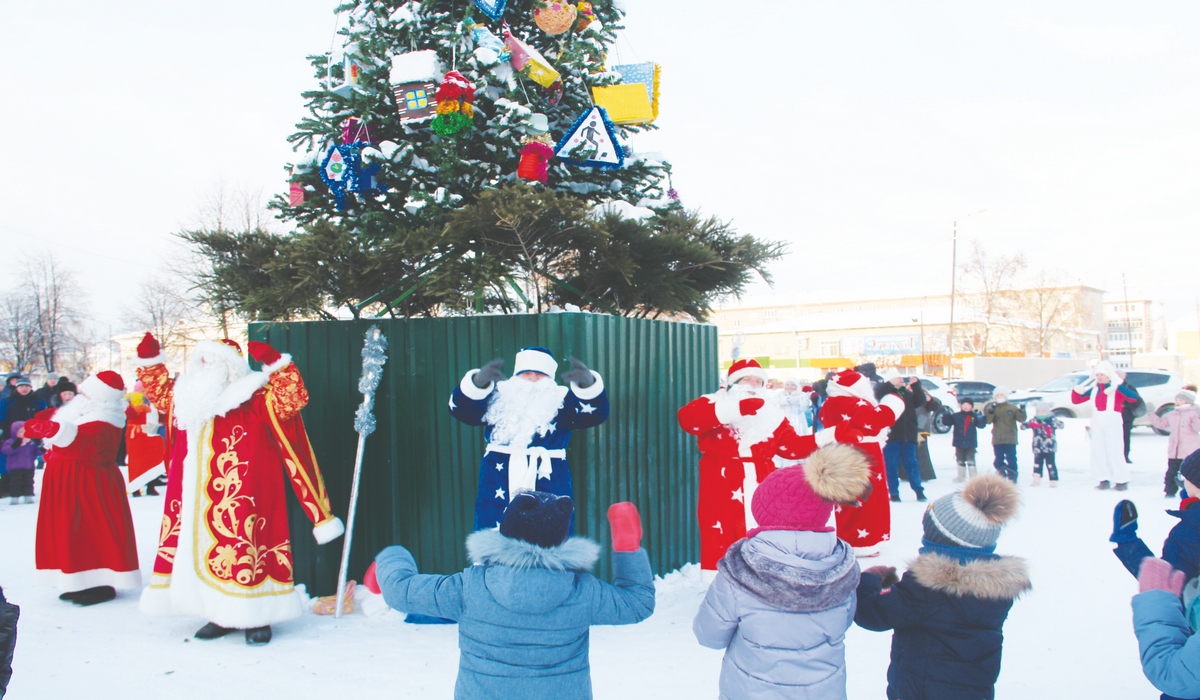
[295, 194]
[635, 99]
[413, 78]
[537, 152]
[592, 142]
[351, 73]
[584, 16]
[366, 181]
[494, 9]
[528, 60]
[489, 48]
[454, 109]
[553, 94]
[554, 17]
[338, 170]
[355, 130]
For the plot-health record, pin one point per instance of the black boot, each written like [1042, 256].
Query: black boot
[212, 631]
[94, 596]
[258, 635]
[69, 595]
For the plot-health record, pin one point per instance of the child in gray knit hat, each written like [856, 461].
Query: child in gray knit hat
[948, 611]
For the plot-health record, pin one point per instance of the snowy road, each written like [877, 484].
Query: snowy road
[1071, 637]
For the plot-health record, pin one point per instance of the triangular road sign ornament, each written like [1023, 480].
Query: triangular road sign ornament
[592, 142]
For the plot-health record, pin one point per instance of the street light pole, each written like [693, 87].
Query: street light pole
[949, 371]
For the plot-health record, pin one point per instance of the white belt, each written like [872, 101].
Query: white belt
[526, 465]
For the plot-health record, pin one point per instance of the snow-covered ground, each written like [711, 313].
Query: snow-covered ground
[1071, 637]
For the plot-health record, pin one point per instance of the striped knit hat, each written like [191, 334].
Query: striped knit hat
[974, 516]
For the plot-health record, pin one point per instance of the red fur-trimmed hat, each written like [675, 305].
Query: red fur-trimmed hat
[851, 383]
[746, 368]
[233, 344]
[103, 386]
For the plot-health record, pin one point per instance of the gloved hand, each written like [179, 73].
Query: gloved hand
[626, 526]
[579, 375]
[262, 352]
[887, 574]
[749, 407]
[1124, 523]
[149, 347]
[38, 428]
[991, 408]
[488, 373]
[1158, 575]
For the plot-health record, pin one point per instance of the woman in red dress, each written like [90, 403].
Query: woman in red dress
[85, 538]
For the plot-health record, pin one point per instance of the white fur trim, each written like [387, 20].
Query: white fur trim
[727, 410]
[467, 387]
[535, 361]
[329, 530]
[239, 392]
[861, 389]
[146, 477]
[158, 359]
[747, 372]
[79, 580]
[94, 387]
[826, 436]
[893, 403]
[489, 548]
[65, 435]
[592, 391]
[283, 361]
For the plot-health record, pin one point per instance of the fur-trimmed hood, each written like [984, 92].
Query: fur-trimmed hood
[1002, 578]
[490, 548]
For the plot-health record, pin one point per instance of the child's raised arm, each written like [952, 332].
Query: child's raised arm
[407, 591]
[880, 611]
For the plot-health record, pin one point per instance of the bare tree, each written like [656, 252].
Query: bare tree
[1052, 312]
[57, 300]
[233, 209]
[990, 281]
[163, 308]
[18, 331]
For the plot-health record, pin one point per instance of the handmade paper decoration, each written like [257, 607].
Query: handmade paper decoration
[455, 111]
[338, 169]
[584, 16]
[295, 194]
[351, 73]
[528, 60]
[635, 99]
[554, 17]
[592, 142]
[414, 77]
[366, 181]
[494, 9]
[491, 46]
[355, 130]
[553, 94]
[537, 152]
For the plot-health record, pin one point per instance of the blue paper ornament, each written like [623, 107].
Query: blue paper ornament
[494, 9]
[592, 142]
[367, 183]
[339, 171]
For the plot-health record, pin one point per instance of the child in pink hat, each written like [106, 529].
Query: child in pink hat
[784, 595]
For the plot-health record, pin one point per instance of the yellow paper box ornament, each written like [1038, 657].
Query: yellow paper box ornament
[635, 99]
[528, 60]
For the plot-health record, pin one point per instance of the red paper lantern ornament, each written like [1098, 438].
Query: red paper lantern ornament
[455, 110]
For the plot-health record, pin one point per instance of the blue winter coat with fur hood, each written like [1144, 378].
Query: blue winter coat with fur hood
[780, 607]
[523, 611]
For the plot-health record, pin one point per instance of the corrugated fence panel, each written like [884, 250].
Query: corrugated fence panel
[420, 468]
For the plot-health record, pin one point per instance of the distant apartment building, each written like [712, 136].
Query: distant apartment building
[1131, 327]
[911, 331]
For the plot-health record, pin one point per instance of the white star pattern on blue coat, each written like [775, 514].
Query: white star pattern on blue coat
[500, 493]
[586, 408]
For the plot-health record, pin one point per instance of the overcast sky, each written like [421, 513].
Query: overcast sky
[857, 132]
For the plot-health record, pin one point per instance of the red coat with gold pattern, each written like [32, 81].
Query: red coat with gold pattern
[224, 548]
[730, 471]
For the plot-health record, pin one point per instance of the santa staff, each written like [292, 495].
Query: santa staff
[85, 541]
[740, 434]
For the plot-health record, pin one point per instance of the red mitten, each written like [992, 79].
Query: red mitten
[262, 352]
[887, 574]
[39, 428]
[1155, 575]
[626, 526]
[749, 407]
[848, 434]
[149, 347]
[370, 582]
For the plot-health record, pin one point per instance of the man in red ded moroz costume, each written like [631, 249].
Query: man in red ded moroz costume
[224, 550]
[852, 401]
[85, 541]
[740, 434]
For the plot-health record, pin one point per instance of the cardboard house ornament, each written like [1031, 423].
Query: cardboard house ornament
[414, 77]
[592, 142]
[351, 73]
[635, 99]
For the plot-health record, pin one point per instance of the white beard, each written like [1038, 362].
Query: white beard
[197, 394]
[84, 409]
[522, 410]
[751, 430]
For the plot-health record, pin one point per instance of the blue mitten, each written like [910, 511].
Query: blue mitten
[1124, 523]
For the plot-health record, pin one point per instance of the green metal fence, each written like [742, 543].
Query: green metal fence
[421, 466]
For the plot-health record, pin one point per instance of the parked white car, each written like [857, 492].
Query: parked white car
[1157, 388]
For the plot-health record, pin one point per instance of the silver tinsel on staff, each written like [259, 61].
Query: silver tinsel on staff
[374, 355]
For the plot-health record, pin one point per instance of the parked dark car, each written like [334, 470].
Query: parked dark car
[978, 392]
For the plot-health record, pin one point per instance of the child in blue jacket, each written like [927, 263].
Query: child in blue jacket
[966, 438]
[524, 608]
[1169, 647]
[1182, 546]
[948, 611]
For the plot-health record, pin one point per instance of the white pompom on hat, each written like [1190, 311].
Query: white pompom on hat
[746, 368]
[535, 359]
